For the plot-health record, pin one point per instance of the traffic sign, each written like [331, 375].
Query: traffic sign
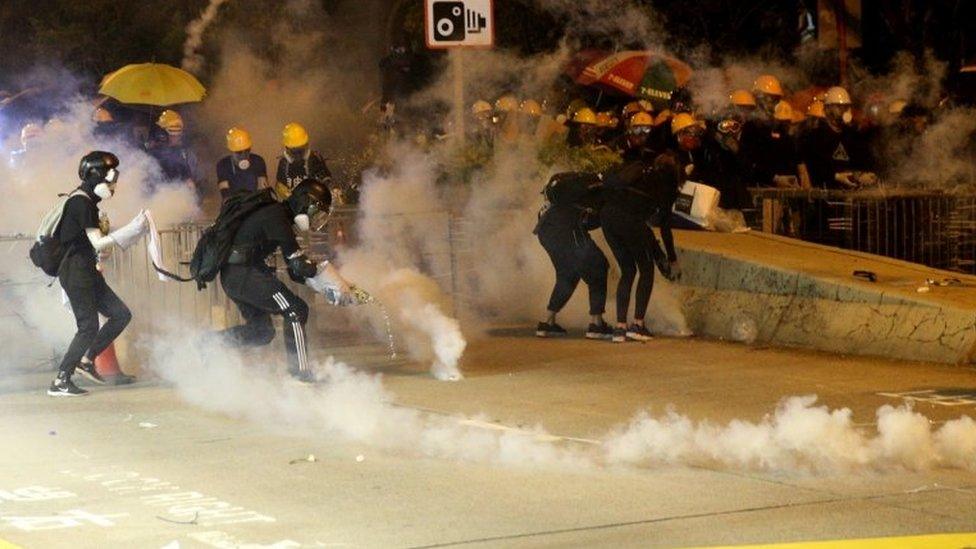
[459, 23]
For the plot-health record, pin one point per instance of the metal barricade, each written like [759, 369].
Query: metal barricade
[931, 227]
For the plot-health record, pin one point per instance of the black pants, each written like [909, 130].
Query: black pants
[632, 243]
[90, 296]
[259, 294]
[575, 256]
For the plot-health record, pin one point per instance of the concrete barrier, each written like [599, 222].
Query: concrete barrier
[783, 291]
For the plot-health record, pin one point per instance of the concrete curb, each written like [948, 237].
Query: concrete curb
[769, 290]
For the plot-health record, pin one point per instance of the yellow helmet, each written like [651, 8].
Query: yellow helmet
[102, 115]
[574, 106]
[506, 103]
[171, 121]
[294, 136]
[531, 107]
[816, 109]
[606, 119]
[640, 119]
[238, 139]
[837, 96]
[742, 98]
[684, 120]
[480, 107]
[630, 109]
[585, 116]
[768, 84]
[783, 111]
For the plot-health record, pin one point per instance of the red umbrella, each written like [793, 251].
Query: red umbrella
[635, 73]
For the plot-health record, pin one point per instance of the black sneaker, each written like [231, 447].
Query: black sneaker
[64, 387]
[599, 331]
[545, 329]
[302, 376]
[639, 333]
[88, 370]
[619, 335]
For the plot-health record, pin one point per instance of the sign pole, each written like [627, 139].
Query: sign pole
[457, 65]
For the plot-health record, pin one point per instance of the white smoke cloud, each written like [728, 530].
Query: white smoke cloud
[799, 437]
[193, 60]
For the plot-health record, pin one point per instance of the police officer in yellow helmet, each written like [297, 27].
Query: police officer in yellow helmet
[298, 162]
[241, 170]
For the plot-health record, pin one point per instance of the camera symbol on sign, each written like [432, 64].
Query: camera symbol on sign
[452, 20]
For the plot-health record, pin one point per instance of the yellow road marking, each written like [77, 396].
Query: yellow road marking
[934, 541]
[4, 544]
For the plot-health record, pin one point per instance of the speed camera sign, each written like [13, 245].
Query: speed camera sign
[459, 23]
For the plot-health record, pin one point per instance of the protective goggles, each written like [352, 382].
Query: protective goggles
[111, 176]
[729, 126]
[639, 130]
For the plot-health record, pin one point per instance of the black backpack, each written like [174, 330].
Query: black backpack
[47, 253]
[214, 246]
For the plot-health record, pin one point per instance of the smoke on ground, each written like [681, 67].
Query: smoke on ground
[799, 437]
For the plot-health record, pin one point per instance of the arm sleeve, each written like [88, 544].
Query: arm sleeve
[667, 235]
[280, 171]
[260, 168]
[223, 175]
[318, 169]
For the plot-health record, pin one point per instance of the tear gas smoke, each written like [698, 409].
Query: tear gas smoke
[300, 67]
[799, 437]
[193, 60]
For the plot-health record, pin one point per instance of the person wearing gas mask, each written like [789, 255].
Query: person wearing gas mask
[241, 170]
[641, 189]
[82, 239]
[833, 154]
[703, 159]
[298, 162]
[772, 154]
[252, 285]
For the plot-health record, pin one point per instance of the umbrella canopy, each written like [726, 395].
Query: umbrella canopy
[635, 73]
[152, 84]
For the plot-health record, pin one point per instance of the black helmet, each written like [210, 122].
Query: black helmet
[96, 165]
[308, 193]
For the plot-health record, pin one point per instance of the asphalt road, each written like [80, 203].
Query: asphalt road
[141, 467]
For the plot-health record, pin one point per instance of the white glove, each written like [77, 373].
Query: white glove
[329, 282]
[131, 232]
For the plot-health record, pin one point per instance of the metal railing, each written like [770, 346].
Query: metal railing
[934, 228]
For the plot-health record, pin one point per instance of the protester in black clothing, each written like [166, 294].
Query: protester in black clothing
[298, 162]
[769, 150]
[572, 210]
[637, 190]
[833, 154]
[241, 170]
[703, 160]
[251, 283]
[80, 235]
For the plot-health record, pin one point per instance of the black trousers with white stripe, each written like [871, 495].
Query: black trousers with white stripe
[258, 294]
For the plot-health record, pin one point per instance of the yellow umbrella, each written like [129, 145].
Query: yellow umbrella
[152, 84]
